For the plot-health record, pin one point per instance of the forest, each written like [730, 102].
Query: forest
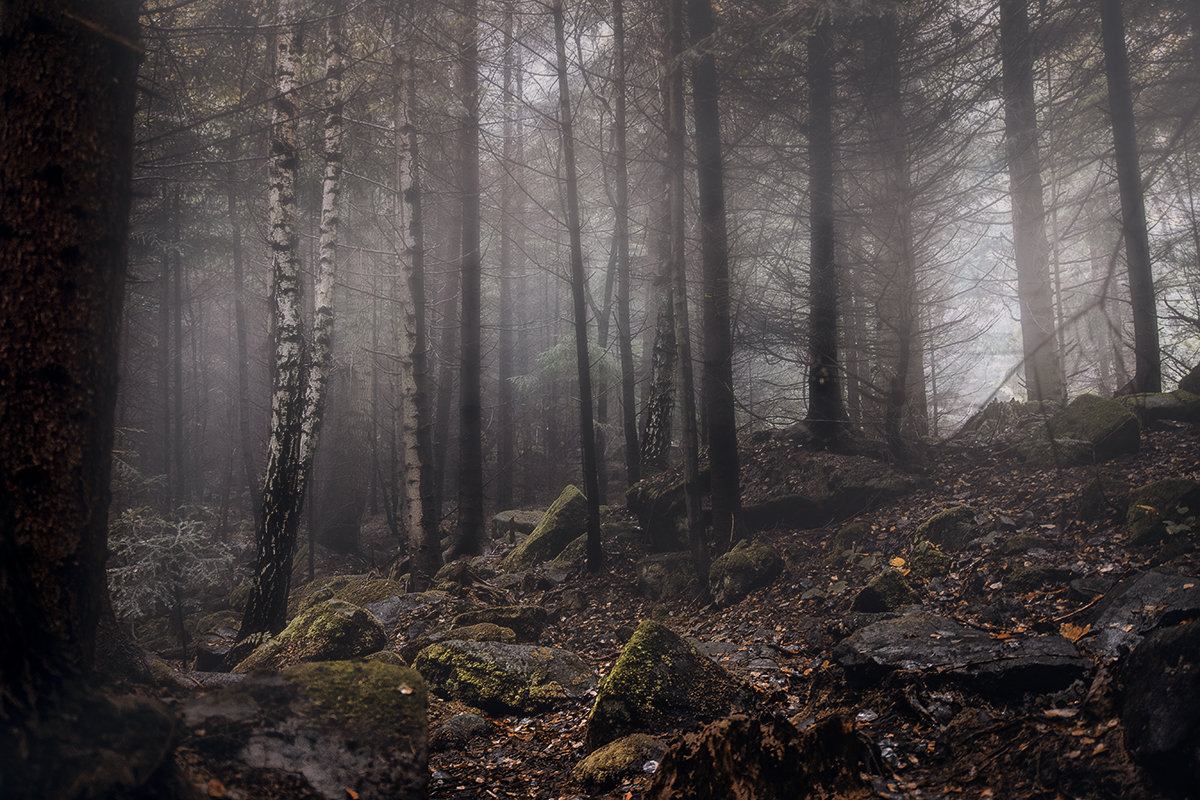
[599, 398]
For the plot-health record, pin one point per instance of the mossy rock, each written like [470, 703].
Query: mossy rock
[386, 657]
[330, 630]
[626, 756]
[572, 557]
[1035, 578]
[1107, 425]
[505, 678]
[239, 597]
[457, 731]
[483, 632]
[365, 591]
[667, 576]
[215, 623]
[1040, 450]
[1166, 511]
[950, 529]
[851, 538]
[928, 562]
[332, 583]
[1101, 497]
[659, 505]
[1178, 406]
[465, 571]
[1020, 543]
[384, 702]
[658, 684]
[562, 522]
[1191, 382]
[749, 565]
[527, 622]
[887, 591]
[515, 524]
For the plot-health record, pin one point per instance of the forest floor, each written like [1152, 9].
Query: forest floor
[779, 640]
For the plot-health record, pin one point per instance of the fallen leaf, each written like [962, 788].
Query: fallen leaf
[215, 788]
[897, 562]
[1073, 632]
[1060, 713]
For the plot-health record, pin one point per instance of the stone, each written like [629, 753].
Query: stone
[658, 684]
[527, 622]
[368, 590]
[935, 647]
[1191, 382]
[571, 559]
[1101, 498]
[1160, 706]
[1020, 543]
[1178, 406]
[1166, 511]
[331, 729]
[330, 630]
[667, 576]
[949, 530]
[747, 566]
[457, 731]
[927, 562]
[1106, 425]
[658, 504]
[1034, 577]
[626, 756]
[505, 678]
[513, 525]
[743, 758]
[465, 571]
[407, 612]
[562, 522]
[1138, 605]
[887, 591]
[853, 537]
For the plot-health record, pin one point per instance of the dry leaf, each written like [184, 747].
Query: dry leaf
[897, 562]
[1073, 632]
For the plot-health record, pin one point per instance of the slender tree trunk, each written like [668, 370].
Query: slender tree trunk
[177, 453]
[655, 449]
[164, 381]
[506, 438]
[1044, 378]
[243, 347]
[470, 467]
[624, 331]
[66, 152]
[587, 433]
[1148, 366]
[825, 410]
[717, 377]
[445, 382]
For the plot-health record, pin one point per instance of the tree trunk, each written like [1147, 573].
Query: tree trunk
[243, 347]
[505, 434]
[1044, 379]
[587, 432]
[177, 453]
[66, 151]
[470, 434]
[1148, 366]
[825, 410]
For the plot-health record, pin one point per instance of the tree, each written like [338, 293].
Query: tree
[1044, 378]
[68, 75]
[1148, 367]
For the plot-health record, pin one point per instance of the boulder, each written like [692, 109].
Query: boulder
[887, 591]
[927, 562]
[742, 758]
[667, 576]
[329, 630]
[626, 756]
[1160, 707]
[747, 566]
[658, 684]
[505, 678]
[527, 622]
[570, 560]
[658, 504]
[411, 615]
[562, 522]
[1191, 382]
[483, 632]
[1109, 428]
[950, 529]
[1100, 498]
[515, 524]
[332, 730]
[368, 590]
[457, 731]
[1034, 577]
[1137, 606]
[853, 537]
[936, 647]
[1166, 511]
[1178, 406]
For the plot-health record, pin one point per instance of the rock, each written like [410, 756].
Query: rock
[1164, 511]
[1191, 382]
[659, 683]
[1043, 451]
[1100, 498]
[408, 613]
[368, 590]
[457, 731]
[565, 519]
[950, 529]
[1138, 605]
[927, 562]
[324, 730]
[1020, 543]
[938, 647]
[1106, 425]
[465, 571]
[853, 537]
[239, 597]
[741, 758]
[667, 576]
[1180, 406]
[330, 630]
[626, 756]
[1160, 707]
[1034, 577]
[887, 591]
[571, 559]
[483, 632]
[505, 678]
[747, 566]
[511, 526]
[527, 622]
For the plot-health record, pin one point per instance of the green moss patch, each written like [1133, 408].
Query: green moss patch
[326, 631]
[563, 521]
[887, 591]
[950, 529]
[384, 702]
[746, 567]
[1110, 427]
[853, 537]
[1162, 511]
[626, 756]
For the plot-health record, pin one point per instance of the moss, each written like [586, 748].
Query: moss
[928, 562]
[850, 538]
[211, 623]
[1101, 497]
[1110, 427]
[1023, 543]
[382, 702]
[474, 677]
[666, 575]
[1034, 578]
[1163, 510]
[527, 622]
[239, 597]
[1181, 406]
[950, 529]
[625, 756]
[887, 591]
[327, 630]
[369, 590]
[746, 567]
[563, 521]
[572, 556]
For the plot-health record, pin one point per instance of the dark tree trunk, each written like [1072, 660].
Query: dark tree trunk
[825, 410]
[587, 433]
[243, 347]
[65, 168]
[177, 452]
[1148, 365]
[505, 434]
[717, 377]
[1044, 378]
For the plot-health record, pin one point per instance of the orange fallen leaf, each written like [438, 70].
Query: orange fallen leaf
[215, 788]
